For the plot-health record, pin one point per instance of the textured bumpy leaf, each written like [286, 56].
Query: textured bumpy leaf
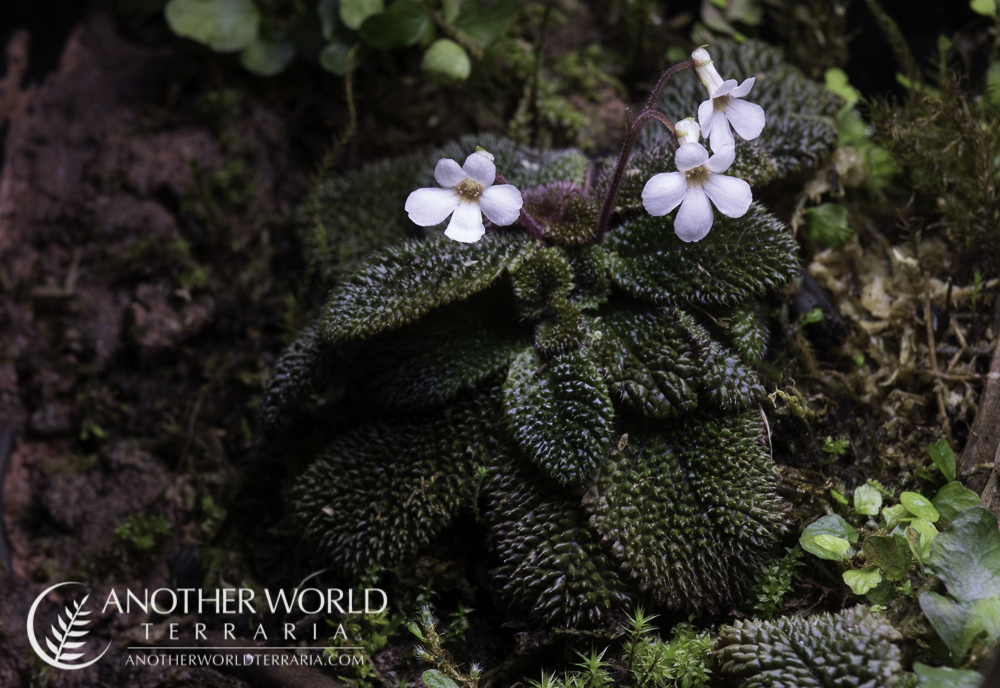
[400, 284]
[560, 416]
[382, 492]
[648, 362]
[544, 273]
[300, 372]
[552, 565]
[351, 215]
[739, 259]
[453, 348]
[590, 275]
[851, 649]
[726, 382]
[692, 516]
[800, 130]
[748, 333]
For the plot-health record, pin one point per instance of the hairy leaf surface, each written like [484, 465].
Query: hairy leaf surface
[559, 415]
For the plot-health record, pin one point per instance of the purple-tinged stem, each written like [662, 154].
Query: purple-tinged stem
[654, 95]
[631, 134]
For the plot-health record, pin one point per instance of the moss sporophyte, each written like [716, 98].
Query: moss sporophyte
[505, 373]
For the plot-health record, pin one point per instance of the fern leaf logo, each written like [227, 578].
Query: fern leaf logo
[67, 636]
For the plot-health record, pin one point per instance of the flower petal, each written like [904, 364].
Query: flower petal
[695, 217]
[429, 207]
[706, 116]
[721, 135]
[449, 173]
[722, 159]
[466, 224]
[744, 88]
[747, 118]
[725, 88]
[481, 169]
[730, 195]
[690, 156]
[664, 192]
[501, 204]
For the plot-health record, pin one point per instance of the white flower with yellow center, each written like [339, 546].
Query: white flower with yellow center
[696, 185]
[467, 191]
[724, 106]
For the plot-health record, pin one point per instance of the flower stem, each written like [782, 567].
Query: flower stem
[632, 129]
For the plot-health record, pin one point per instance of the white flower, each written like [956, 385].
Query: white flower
[696, 185]
[724, 106]
[467, 191]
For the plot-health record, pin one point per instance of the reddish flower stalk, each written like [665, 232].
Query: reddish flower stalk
[632, 129]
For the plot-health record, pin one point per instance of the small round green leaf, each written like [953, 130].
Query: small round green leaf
[986, 8]
[893, 515]
[336, 58]
[446, 61]
[354, 12]
[862, 580]
[867, 500]
[927, 533]
[952, 499]
[435, 679]
[402, 25]
[266, 58]
[919, 506]
[831, 525]
[223, 25]
[831, 543]
[946, 677]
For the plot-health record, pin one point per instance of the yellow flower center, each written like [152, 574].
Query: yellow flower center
[698, 176]
[469, 191]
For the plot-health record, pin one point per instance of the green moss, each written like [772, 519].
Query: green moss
[143, 534]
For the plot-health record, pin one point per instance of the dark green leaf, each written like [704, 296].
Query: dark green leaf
[944, 458]
[960, 623]
[967, 556]
[945, 677]
[827, 525]
[693, 515]
[560, 416]
[452, 348]
[739, 259]
[402, 283]
[402, 25]
[890, 553]
[952, 499]
[647, 362]
[223, 25]
[551, 565]
[485, 20]
[748, 332]
[433, 678]
[336, 58]
[446, 61]
[381, 492]
[726, 382]
[303, 369]
[354, 12]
